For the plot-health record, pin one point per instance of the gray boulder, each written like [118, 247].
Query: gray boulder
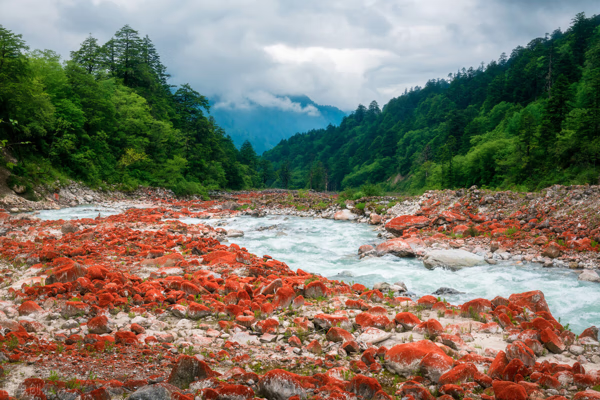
[452, 259]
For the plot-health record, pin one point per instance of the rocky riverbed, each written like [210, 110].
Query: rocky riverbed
[140, 305]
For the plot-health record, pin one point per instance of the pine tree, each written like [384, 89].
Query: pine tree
[89, 55]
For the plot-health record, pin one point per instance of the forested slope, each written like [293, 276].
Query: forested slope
[108, 116]
[527, 120]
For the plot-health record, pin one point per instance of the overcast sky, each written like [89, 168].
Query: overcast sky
[338, 52]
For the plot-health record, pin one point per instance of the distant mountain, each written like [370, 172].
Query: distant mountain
[279, 118]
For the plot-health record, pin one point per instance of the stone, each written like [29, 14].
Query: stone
[446, 291]
[374, 335]
[405, 359]
[151, 392]
[398, 225]
[509, 391]
[99, 325]
[278, 384]
[187, 370]
[453, 259]
[233, 233]
[589, 275]
[397, 247]
[344, 215]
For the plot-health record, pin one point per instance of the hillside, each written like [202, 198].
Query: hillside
[265, 126]
[525, 121]
[109, 117]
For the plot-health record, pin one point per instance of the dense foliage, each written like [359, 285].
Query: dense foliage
[108, 116]
[525, 121]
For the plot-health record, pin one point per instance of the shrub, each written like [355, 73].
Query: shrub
[360, 206]
[370, 189]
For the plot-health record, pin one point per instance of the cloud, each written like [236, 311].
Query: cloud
[265, 99]
[338, 52]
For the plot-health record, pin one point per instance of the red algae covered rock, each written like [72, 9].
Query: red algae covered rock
[278, 384]
[518, 350]
[99, 325]
[509, 391]
[405, 359]
[364, 386]
[315, 290]
[398, 225]
[29, 308]
[397, 247]
[336, 334]
[187, 370]
[533, 300]
[407, 320]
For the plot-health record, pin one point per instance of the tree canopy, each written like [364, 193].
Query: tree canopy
[525, 121]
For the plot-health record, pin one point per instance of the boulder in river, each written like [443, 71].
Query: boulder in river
[589, 275]
[452, 259]
[446, 291]
[344, 215]
[234, 233]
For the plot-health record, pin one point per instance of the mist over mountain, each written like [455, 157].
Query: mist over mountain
[265, 120]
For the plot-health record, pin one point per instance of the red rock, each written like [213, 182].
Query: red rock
[587, 395]
[460, 229]
[364, 386]
[187, 370]
[509, 391]
[326, 321]
[427, 301]
[366, 320]
[520, 351]
[412, 390]
[99, 325]
[165, 261]
[315, 290]
[278, 384]
[407, 320]
[339, 335]
[314, 347]
[476, 306]
[197, 311]
[137, 329]
[534, 300]
[548, 381]
[399, 224]
[497, 368]
[452, 390]
[351, 347]
[29, 308]
[67, 273]
[284, 297]
[124, 337]
[430, 328]
[234, 392]
[552, 341]
[294, 341]
[397, 247]
[591, 332]
[406, 358]
[460, 374]
[584, 381]
[514, 369]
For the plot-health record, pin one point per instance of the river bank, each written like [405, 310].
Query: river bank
[141, 305]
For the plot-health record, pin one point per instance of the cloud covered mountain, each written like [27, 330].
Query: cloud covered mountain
[265, 119]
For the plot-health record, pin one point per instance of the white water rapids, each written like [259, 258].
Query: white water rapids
[330, 248]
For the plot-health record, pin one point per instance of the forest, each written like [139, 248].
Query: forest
[108, 117]
[528, 120]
